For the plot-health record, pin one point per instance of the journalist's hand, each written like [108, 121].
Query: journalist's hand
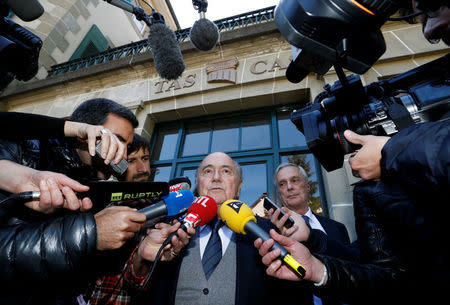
[57, 191]
[366, 162]
[113, 150]
[115, 225]
[275, 268]
[299, 231]
[152, 242]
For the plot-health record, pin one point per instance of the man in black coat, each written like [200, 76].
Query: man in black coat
[42, 254]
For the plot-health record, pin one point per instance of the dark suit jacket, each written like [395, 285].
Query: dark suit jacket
[253, 285]
[334, 229]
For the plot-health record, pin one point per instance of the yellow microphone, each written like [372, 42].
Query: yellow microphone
[240, 218]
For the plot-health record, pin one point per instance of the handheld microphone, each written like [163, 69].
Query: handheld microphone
[171, 205]
[240, 219]
[27, 10]
[201, 212]
[179, 183]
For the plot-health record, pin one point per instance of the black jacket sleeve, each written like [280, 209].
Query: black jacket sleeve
[46, 249]
[419, 156]
[23, 126]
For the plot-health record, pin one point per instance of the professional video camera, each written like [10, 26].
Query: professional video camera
[346, 34]
[19, 48]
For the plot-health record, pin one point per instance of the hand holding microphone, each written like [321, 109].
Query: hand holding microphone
[240, 218]
[166, 241]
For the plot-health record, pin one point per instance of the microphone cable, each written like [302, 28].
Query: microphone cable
[23, 197]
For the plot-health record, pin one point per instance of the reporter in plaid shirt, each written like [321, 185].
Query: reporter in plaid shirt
[115, 289]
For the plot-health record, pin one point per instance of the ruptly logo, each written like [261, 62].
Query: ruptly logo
[133, 196]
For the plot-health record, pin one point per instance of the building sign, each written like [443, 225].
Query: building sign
[222, 71]
[225, 71]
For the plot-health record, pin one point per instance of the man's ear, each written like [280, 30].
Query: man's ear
[238, 191]
[308, 186]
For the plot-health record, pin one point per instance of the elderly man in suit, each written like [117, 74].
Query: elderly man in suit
[293, 188]
[239, 277]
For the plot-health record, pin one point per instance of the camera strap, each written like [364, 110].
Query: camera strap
[399, 115]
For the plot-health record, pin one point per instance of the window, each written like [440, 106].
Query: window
[259, 141]
[93, 43]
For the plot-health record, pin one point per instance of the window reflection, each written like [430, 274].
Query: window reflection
[306, 161]
[255, 132]
[196, 141]
[255, 182]
[289, 136]
[225, 135]
[190, 173]
[166, 142]
[160, 173]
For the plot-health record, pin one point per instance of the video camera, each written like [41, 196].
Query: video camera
[19, 48]
[346, 34]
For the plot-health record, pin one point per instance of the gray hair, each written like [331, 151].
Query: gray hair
[287, 164]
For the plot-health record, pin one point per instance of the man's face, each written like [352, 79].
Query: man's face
[292, 188]
[138, 166]
[218, 178]
[436, 26]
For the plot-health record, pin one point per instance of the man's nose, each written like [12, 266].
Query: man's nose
[216, 175]
[290, 185]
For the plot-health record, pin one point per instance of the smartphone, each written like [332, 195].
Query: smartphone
[119, 168]
[269, 204]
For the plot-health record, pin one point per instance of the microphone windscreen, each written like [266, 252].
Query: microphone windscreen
[177, 180]
[204, 34]
[206, 209]
[236, 214]
[27, 10]
[166, 52]
[178, 202]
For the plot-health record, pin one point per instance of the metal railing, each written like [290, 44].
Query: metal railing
[224, 25]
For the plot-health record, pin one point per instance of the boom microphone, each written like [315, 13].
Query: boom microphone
[240, 219]
[27, 10]
[164, 46]
[171, 205]
[165, 49]
[204, 34]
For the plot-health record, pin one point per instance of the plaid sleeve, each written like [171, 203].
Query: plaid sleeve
[117, 289]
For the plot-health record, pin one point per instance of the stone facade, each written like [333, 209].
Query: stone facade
[258, 55]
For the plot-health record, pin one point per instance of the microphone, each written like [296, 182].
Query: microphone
[179, 183]
[171, 205]
[164, 46]
[27, 10]
[166, 51]
[201, 212]
[240, 219]
[204, 34]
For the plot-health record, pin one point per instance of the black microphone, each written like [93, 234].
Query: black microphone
[166, 52]
[303, 63]
[179, 183]
[27, 10]
[204, 34]
[169, 63]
